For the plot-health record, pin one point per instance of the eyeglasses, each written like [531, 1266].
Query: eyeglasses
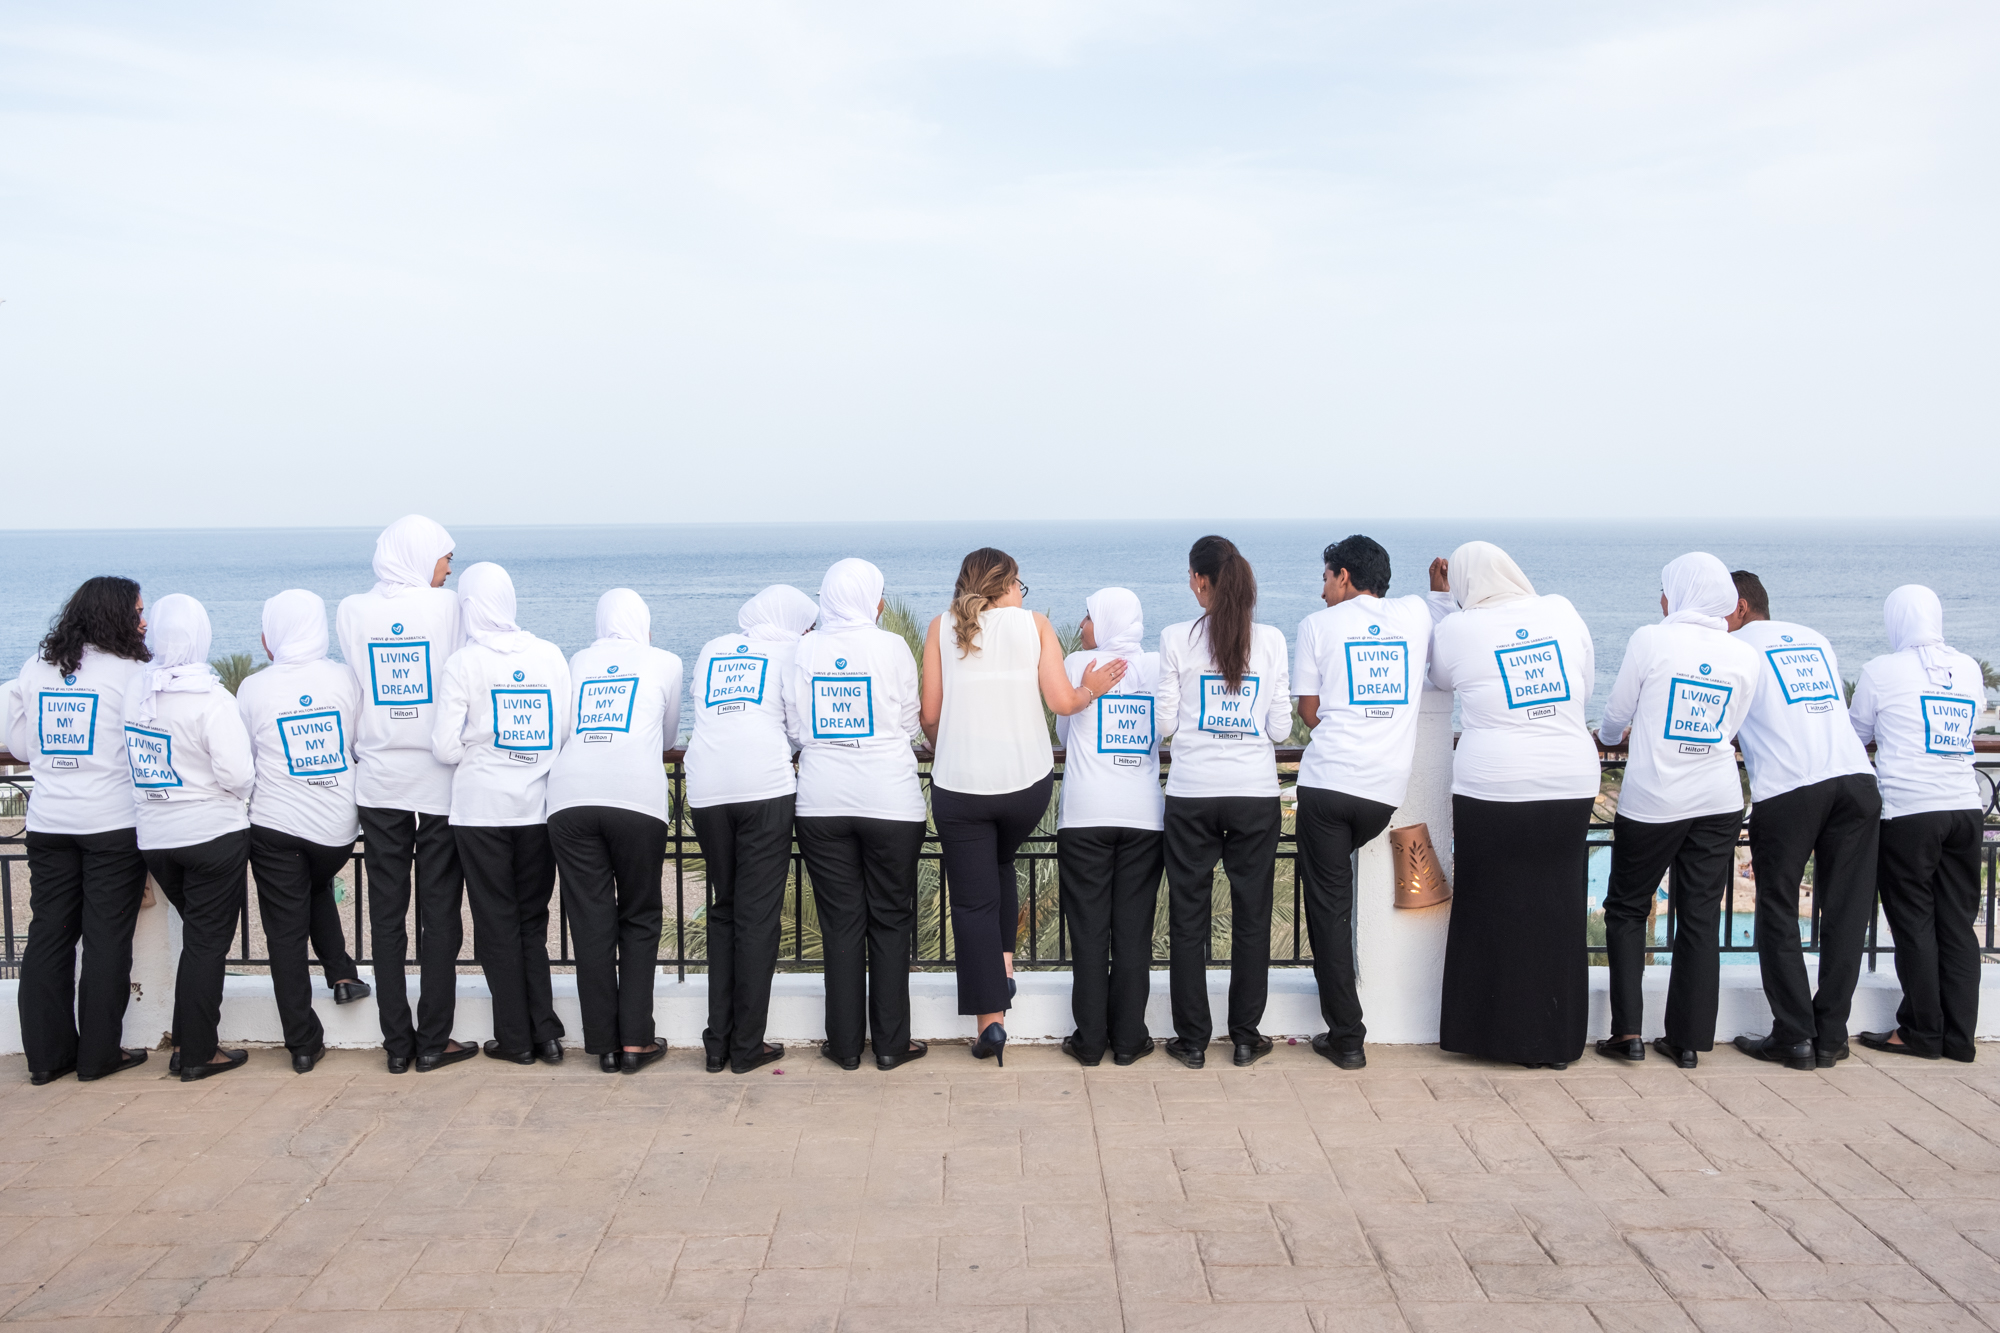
[1023, 587]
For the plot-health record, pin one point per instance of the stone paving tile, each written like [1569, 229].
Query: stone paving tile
[1427, 1192]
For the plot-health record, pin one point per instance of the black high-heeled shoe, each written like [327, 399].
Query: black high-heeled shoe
[993, 1042]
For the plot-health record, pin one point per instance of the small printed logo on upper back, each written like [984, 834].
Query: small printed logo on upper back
[1705, 669]
[522, 675]
[742, 647]
[611, 670]
[305, 701]
[396, 628]
[1374, 629]
[69, 679]
[840, 664]
[1520, 634]
[1786, 637]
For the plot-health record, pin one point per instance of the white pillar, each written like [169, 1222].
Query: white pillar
[156, 954]
[1400, 951]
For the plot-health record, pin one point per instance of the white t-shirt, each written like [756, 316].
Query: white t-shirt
[1796, 732]
[1367, 660]
[625, 710]
[740, 750]
[301, 720]
[501, 720]
[1224, 739]
[1922, 732]
[1111, 754]
[1684, 691]
[70, 732]
[191, 767]
[851, 700]
[397, 647]
[1523, 672]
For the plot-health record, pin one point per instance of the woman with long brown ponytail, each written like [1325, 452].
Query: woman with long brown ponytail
[995, 769]
[1225, 695]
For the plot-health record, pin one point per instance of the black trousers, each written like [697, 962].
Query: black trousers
[398, 840]
[510, 875]
[1332, 826]
[864, 876]
[1928, 873]
[1836, 823]
[83, 886]
[1242, 833]
[295, 898]
[611, 862]
[1702, 853]
[205, 884]
[1110, 884]
[747, 846]
[978, 836]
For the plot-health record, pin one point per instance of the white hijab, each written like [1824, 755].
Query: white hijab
[177, 632]
[1699, 591]
[848, 596]
[622, 617]
[486, 599]
[779, 612]
[1118, 623]
[1481, 574]
[295, 627]
[1915, 620]
[407, 552]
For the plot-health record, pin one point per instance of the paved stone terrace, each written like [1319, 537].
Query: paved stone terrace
[1428, 1192]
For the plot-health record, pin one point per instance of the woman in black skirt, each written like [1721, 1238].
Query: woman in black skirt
[1524, 777]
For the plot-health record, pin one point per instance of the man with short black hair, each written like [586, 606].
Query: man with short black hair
[1812, 794]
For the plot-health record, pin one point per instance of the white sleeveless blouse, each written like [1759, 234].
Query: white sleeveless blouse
[992, 737]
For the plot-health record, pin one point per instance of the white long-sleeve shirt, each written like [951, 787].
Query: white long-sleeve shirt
[397, 647]
[301, 721]
[851, 698]
[192, 771]
[625, 710]
[1523, 672]
[501, 718]
[1224, 739]
[1684, 691]
[70, 730]
[1922, 732]
[1796, 731]
[1111, 763]
[1367, 660]
[741, 749]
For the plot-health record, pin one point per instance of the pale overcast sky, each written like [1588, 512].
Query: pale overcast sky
[329, 263]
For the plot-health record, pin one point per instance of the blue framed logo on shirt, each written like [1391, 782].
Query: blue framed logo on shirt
[605, 703]
[1804, 676]
[68, 722]
[523, 719]
[1378, 671]
[1696, 710]
[399, 672]
[151, 754]
[843, 708]
[1125, 724]
[313, 743]
[1227, 712]
[1533, 673]
[1948, 720]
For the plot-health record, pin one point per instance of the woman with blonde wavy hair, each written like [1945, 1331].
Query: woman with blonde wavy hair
[995, 769]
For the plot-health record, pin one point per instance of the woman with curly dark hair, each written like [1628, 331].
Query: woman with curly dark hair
[65, 720]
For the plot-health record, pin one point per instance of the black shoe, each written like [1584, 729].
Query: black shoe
[347, 992]
[769, 1053]
[992, 1042]
[127, 1059]
[1879, 1041]
[1189, 1054]
[174, 1064]
[491, 1047]
[1123, 1058]
[1012, 989]
[194, 1073]
[550, 1052]
[399, 1064]
[848, 1062]
[1543, 1064]
[1826, 1059]
[439, 1059]
[611, 1061]
[1322, 1043]
[303, 1061]
[1069, 1049]
[43, 1077]
[714, 1063]
[917, 1050]
[631, 1062]
[1250, 1052]
[1617, 1048]
[1681, 1056]
[1798, 1055]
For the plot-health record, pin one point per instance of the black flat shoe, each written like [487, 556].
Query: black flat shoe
[992, 1044]
[1012, 989]
[1618, 1048]
[1069, 1049]
[848, 1062]
[1826, 1058]
[303, 1061]
[1250, 1052]
[1798, 1055]
[127, 1059]
[611, 1061]
[714, 1063]
[439, 1059]
[1879, 1041]
[917, 1051]
[1543, 1064]
[347, 992]
[399, 1064]
[491, 1047]
[1682, 1058]
[768, 1055]
[195, 1073]
[550, 1052]
[44, 1077]
[1189, 1054]
[1322, 1044]
[631, 1062]
[1123, 1058]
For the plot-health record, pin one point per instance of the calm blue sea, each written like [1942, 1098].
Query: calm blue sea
[1831, 575]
